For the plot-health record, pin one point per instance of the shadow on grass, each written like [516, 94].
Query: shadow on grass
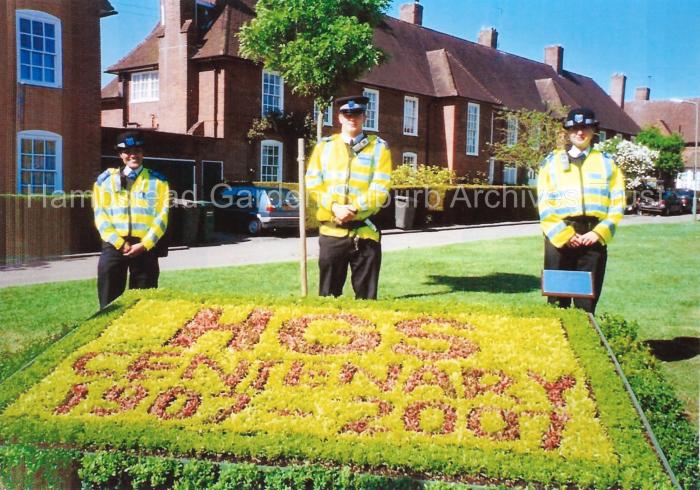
[678, 349]
[498, 282]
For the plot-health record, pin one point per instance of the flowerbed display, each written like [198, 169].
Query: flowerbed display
[469, 394]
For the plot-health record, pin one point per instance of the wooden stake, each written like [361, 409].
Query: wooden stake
[301, 160]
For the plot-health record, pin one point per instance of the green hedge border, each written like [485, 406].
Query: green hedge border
[638, 468]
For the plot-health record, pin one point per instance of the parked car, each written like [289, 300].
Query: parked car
[666, 203]
[257, 208]
[686, 197]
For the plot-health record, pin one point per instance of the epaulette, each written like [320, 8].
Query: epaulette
[106, 174]
[327, 138]
[382, 142]
[157, 175]
[547, 159]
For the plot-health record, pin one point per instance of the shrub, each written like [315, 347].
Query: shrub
[665, 412]
[422, 176]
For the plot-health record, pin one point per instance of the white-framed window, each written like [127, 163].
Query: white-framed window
[602, 135]
[410, 115]
[271, 161]
[39, 162]
[327, 114]
[144, 87]
[372, 112]
[510, 175]
[492, 170]
[512, 131]
[39, 53]
[272, 93]
[410, 158]
[473, 116]
[531, 177]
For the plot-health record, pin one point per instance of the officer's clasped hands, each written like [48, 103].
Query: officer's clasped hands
[343, 213]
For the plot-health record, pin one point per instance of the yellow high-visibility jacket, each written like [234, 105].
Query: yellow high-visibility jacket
[141, 212]
[337, 175]
[596, 189]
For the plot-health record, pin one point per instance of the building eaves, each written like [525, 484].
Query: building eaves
[144, 55]
[106, 9]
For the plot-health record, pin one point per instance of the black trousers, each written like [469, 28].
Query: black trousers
[112, 268]
[364, 257]
[588, 259]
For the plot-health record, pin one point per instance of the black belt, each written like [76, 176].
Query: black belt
[582, 224]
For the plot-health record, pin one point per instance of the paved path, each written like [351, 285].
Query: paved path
[242, 250]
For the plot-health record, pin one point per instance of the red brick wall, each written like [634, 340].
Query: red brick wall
[72, 111]
[145, 114]
[112, 113]
[468, 165]
[8, 165]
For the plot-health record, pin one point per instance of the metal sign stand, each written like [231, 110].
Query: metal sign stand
[301, 160]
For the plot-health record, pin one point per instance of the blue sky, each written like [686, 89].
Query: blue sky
[654, 42]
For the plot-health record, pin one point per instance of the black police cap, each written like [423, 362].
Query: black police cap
[129, 139]
[580, 117]
[352, 103]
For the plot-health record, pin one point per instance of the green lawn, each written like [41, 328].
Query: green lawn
[652, 278]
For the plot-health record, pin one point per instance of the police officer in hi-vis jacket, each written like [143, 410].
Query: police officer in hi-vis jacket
[131, 215]
[581, 199]
[348, 177]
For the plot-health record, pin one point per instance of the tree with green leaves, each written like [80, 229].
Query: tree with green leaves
[317, 46]
[670, 160]
[538, 133]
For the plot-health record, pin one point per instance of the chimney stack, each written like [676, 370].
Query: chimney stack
[642, 93]
[412, 12]
[617, 89]
[554, 57]
[488, 36]
[175, 74]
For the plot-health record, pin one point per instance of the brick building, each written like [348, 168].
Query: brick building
[670, 116]
[50, 94]
[434, 100]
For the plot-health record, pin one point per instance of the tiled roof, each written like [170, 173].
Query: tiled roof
[427, 62]
[670, 117]
[221, 38]
[144, 55]
[111, 90]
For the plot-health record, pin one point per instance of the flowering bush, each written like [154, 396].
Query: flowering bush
[635, 160]
[478, 393]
